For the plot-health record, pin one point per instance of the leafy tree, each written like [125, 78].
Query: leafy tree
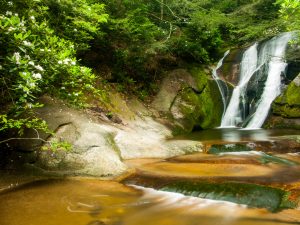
[39, 58]
[290, 12]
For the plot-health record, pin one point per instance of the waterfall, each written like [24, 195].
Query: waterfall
[233, 115]
[274, 51]
[268, 63]
[221, 84]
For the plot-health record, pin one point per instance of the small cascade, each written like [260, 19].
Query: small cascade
[275, 52]
[221, 84]
[265, 64]
[233, 115]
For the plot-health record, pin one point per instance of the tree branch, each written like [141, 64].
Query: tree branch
[8, 90]
[162, 3]
[36, 138]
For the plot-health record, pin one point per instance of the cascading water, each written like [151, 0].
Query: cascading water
[221, 84]
[275, 51]
[233, 115]
[267, 62]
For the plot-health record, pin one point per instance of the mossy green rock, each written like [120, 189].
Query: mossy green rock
[200, 108]
[217, 149]
[242, 193]
[195, 110]
[189, 100]
[288, 103]
[282, 123]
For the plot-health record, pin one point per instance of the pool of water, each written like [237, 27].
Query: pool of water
[143, 198]
[93, 202]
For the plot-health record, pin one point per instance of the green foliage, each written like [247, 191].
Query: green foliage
[78, 21]
[39, 57]
[45, 41]
[254, 21]
[218, 149]
[55, 146]
[145, 38]
[201, 40]
[21, 124]
[35, 60]
[290, 13]
[137, 28]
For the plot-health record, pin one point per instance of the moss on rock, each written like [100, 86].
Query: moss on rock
[288, 103]
[189, 100]
[216, 149]
[252, 195]
[200, 108]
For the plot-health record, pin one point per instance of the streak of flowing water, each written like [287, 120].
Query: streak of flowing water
[221, 85]
[233, 115]
[269, 63]
[276, 51]
[176, 200]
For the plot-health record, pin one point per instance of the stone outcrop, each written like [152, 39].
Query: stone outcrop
[99, 145]
[189, 100]
[286, 107]
[288, 103]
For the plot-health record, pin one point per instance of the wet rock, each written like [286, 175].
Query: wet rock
[287, 107]
[99, 147]
[216, 149]
[242, 193]
[188, 99]
[281, 122]
[231, 66]
[147, 139]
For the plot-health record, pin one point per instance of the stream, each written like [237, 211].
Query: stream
[243, 177]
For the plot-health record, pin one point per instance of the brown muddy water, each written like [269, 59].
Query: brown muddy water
[195, 189]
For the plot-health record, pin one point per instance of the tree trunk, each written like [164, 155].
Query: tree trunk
[162, 9]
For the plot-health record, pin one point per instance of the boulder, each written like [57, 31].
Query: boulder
[189, 100]
[286, 108]
[98, 146]
[93, 152]
[230, 69]
[288, 103]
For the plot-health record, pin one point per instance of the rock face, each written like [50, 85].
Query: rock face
[100, 146]
[286, 107]
[189, 100]
[288, 103]
[101, 140]
[230, 69]
[186, 100]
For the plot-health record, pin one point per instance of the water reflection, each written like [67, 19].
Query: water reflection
[231, 136]
[237, 135]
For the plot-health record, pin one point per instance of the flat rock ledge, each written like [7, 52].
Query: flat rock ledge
[99, 147]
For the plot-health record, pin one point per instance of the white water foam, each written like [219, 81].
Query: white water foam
[233, 115]
[219, 82]
[270, 57]
[167, 199]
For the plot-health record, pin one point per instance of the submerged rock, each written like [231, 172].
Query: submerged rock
[242, 193]
[216, 149]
